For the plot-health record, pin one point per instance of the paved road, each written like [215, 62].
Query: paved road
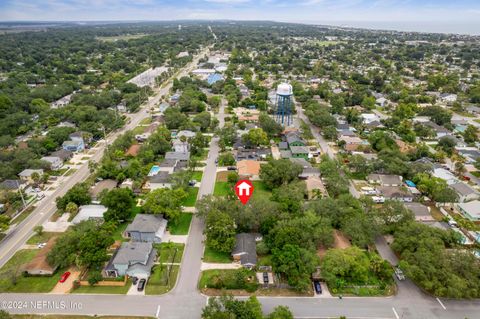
[46, 208]
[326, 149]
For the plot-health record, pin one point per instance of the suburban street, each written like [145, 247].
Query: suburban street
[185, 301]
[47, 207]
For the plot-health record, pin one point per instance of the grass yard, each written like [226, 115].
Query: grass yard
[117, 234]
[166, 251]
[182, 225]
[161, 281]
[120, 290]
[24, 284]
[221, 189]
[23, 215]
[139, 130]
[228, 279]
[191, 198]
[213, 256]
[260, 190]
[43, 238]
[197, 175]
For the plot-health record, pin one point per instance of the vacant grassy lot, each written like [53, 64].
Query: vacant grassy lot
[161, 280]
[260, 189]
[213, 256]
[24, 284]
[228, 279]
[191, 198]
[103, 289]
[222, 188]
[182, 225]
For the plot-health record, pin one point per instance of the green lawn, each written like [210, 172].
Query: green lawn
[121, 290]
[213, 256]
[167, 251]
[260, 189]
[161, 281]
[221, 189]
[24, 284]
[117, 234]
[182, 225]
[191, 198]
[139, 130]
[197, 175]
[43, 238]
[23, 215]
[228, 279]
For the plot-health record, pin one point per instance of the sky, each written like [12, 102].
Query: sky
[450, 16]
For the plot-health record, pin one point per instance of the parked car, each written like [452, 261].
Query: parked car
[134, 280]
[399, 274]
[318, 286]
[192, 183]
[466, 178]
[231, 168]
[265, 277]
[41, 245]
[64, 276]
[141, 284]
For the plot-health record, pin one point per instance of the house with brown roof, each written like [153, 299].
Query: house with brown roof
[105, 185]
[248, 169]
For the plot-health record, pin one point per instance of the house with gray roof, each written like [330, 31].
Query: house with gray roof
[180, 156]
[245, 250]
[134, 259]
[293, 139]
[465, 192]
[421, 212]
[159, 180]
[147, 228]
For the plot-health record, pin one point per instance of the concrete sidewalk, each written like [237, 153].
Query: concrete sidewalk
[208, 266]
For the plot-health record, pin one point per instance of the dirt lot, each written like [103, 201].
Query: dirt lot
[340, 241]
[223, 176]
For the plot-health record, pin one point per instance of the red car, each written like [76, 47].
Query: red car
[64, 276]
[466, 178]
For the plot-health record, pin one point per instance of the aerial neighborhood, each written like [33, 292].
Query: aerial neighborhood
[121, 173]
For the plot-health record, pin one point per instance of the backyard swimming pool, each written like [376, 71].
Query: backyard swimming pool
[154, 170]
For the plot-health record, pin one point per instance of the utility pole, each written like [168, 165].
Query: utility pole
[21, 194]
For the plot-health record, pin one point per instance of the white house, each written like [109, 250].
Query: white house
[89, 212]
[465, 192]
[445, 175]
[55, 162]
[369, 118]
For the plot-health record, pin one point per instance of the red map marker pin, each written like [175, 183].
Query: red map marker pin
[244, 190]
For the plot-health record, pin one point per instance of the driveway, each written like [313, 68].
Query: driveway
[66, 287]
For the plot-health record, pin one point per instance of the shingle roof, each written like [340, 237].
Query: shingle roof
[146, 223]
[463, 189]
[246, 247]
[131, 252]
